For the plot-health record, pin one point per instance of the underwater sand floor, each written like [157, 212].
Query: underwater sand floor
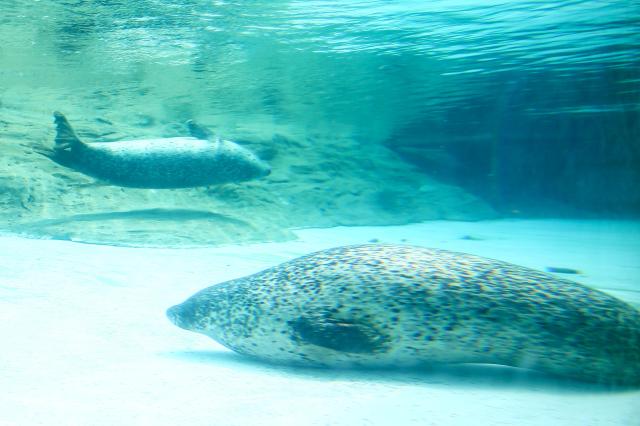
[85, 340]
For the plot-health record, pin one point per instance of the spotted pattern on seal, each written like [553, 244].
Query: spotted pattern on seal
[180, 162]
[388, 305]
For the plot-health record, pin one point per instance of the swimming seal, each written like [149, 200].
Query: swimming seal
[179, 162]
[384, 305]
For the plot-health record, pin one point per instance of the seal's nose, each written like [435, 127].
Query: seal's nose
[173, 313]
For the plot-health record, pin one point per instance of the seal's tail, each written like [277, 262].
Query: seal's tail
[65, 136]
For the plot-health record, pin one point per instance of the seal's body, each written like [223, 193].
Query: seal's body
[157, 163]
[383, 305]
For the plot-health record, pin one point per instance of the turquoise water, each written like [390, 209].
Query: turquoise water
[533, 105]
[477, 118]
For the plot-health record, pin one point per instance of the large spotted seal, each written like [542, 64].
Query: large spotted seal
[388, 305]
[157, 163]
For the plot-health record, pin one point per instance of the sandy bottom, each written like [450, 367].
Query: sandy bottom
[86, 342]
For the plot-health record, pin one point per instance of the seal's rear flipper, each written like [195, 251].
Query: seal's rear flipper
[197, 131]
[65, 136]
[59, 156]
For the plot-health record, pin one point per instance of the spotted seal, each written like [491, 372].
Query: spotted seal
[385, 305]
[178, 162]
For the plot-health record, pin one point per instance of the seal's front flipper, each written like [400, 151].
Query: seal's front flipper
[65, 136]
[339, 335]
[199, 132]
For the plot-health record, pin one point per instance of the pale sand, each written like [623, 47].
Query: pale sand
[86, 342]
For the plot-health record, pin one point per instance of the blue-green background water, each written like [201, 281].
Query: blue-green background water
[532, 105]
[370, 113]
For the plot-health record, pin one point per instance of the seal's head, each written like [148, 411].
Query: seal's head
[225, 312]
[247, 165]
[201, 313]
[182, 315]
[242, 163]
[282, 317]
